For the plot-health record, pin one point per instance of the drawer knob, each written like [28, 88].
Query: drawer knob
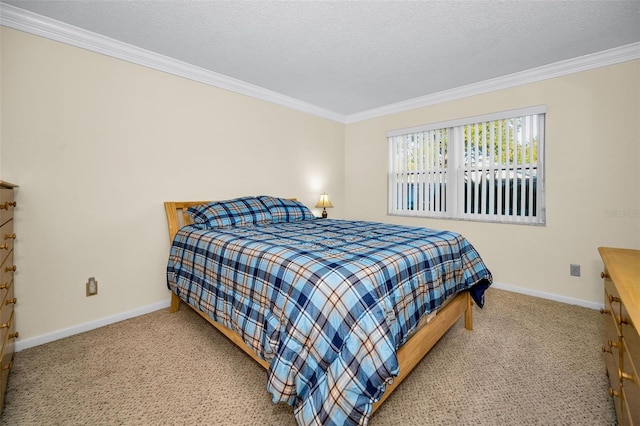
[621, 320]
[5, 325]
[613, 393]
[610, 344]
[8, 366]
[4, 286]
[14, 335]
[605, 311]
[622, 375]
[10, 268]
[604, 275]
[11, 236]
[613, 299]
[11, 301]
[7, 205]
[4, 246]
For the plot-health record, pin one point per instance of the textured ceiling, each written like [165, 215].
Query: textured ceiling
[354, 56]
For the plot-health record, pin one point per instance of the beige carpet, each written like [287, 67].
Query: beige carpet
[527, 362]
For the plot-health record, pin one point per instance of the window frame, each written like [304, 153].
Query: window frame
[517, 181]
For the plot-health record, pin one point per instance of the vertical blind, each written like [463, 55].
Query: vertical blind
[488, 168]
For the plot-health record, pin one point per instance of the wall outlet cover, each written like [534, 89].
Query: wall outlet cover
[92, 287]
[574, 270]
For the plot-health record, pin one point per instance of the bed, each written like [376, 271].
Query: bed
[338, 312]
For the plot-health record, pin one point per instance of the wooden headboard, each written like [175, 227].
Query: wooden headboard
[177, 216]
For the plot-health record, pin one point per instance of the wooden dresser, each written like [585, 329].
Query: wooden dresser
[7, 268]
[622, 347]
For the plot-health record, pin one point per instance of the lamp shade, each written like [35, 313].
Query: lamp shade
[324, 201]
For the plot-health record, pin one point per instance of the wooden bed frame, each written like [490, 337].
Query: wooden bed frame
[409, 354]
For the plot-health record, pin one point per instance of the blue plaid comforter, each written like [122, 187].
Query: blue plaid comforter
[325, 302]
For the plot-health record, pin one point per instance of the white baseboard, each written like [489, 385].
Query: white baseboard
[549, 296]
[81, 328]
[22, 344]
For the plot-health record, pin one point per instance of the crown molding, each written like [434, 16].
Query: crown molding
[20, 19]
[604, 58]
[23, 20]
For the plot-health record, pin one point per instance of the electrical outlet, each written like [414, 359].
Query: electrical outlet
[92, 286]
[574, 270]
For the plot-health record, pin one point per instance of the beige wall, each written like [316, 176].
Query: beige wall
[593, 178]
[97, 144]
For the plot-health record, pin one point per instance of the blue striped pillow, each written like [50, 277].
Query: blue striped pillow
[286, 210]
[237, 212]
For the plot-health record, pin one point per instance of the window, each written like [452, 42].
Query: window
[488, 168]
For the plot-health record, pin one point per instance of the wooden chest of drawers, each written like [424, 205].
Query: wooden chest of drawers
[7, 269]
[622, 347]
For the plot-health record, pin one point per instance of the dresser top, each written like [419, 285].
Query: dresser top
[623, 266]
[4, 184]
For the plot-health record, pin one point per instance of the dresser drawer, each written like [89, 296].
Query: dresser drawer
[6, 271]
[6, 205]
[631, 336]
[630, 388]
[611, 351]
[6, 294]
[612, 304]
[7, 237]
[6, 355]
[6, 329]
[630, 361]
[6, 194]
[6, 260]
[7, 301]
